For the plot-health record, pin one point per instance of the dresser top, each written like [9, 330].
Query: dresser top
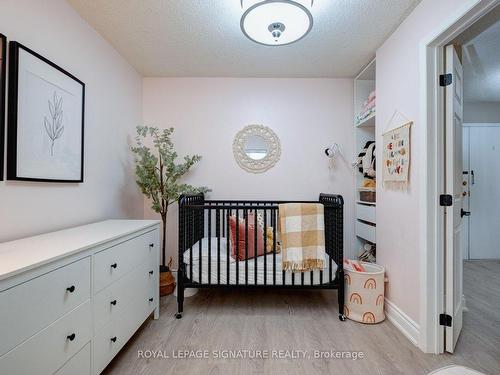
[27, 253]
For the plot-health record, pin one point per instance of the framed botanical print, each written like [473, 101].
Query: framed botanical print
[45, 121]
[3, 64]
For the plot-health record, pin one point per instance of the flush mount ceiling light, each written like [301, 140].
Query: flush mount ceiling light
[276, 22]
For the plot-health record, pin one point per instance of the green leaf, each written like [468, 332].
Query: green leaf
[158, 173]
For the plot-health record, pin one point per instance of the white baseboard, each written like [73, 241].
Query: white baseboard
[403, 322]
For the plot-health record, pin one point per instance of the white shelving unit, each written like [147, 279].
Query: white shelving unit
[365, 212]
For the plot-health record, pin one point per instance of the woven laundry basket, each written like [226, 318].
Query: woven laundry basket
[364, 294]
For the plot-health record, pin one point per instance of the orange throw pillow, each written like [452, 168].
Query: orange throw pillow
[238, 252]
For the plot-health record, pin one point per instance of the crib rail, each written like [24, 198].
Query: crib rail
[204, 232]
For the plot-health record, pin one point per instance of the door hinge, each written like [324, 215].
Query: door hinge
[445, 79]
[445, 200]
[445, 320]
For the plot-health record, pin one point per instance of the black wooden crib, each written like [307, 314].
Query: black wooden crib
[205, 260]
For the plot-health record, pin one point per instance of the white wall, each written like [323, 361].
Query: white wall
[481, 112]
[113, 108]
[307, 115]
[398, 81]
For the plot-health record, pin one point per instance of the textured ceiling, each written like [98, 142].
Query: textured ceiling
[203, 37]
[481, 59]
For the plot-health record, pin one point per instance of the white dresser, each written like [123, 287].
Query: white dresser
[71, 299]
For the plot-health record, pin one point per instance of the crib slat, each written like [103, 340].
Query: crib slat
[200, 273]
[192, 242]
[209, 246]
[227, 247]
[237, 246]
[273, 221]
[224, 223]
[246, 247]
[255, 245]
[265, 246]
[330, 270]
[217, 229]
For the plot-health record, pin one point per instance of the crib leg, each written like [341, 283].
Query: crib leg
[180, 293]
[340, 276]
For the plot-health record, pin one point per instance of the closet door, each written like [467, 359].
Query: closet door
[484, 192]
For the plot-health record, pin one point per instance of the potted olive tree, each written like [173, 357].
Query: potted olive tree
[158, 175]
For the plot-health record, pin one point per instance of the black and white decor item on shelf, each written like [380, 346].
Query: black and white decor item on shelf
[3, 53]
[45, 121]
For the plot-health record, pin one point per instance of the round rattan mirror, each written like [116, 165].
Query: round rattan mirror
[256, 148]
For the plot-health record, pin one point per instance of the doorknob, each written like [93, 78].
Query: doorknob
[464, 213]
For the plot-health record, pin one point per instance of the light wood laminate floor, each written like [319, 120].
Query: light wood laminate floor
[307, 320]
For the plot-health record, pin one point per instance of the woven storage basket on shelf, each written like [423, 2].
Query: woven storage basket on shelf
[364, 294]
[367, 195]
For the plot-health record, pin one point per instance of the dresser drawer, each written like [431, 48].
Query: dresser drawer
[110, 338]
[114, 300]
[365, 231]
[117, 261]
[79, 364]
[29, 307]
[51, 348]
[365, 212]
[154, 251]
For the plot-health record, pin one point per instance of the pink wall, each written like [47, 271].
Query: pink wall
[113, 109]
[398, 81]
[306, 114]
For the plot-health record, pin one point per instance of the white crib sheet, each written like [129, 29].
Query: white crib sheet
[251, 268]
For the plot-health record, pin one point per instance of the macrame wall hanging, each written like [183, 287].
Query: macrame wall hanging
[396, 154]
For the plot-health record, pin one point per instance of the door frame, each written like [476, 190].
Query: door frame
[431, 140]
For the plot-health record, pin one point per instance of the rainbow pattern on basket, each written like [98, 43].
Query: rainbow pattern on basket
[356, 298]
[370, 284]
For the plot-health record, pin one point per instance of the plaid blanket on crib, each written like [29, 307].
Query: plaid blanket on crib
[302, 230]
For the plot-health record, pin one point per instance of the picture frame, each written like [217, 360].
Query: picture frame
[46, 118]
[3, 78]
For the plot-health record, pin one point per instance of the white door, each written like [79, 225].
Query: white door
[453, 249]
[465, 193]
[484, 192]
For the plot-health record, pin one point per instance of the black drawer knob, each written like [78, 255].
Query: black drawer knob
[71, 337]
[71, 289]
[151, 245]
[113, 339]
[113, 302]
[151, 299]
[151, 272]
[114, 265]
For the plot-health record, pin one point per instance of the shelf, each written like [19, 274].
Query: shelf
[368, 73]
[368, 122]
[365, 212]
[367, 203]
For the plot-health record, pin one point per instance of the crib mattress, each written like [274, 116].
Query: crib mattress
[254, 278]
